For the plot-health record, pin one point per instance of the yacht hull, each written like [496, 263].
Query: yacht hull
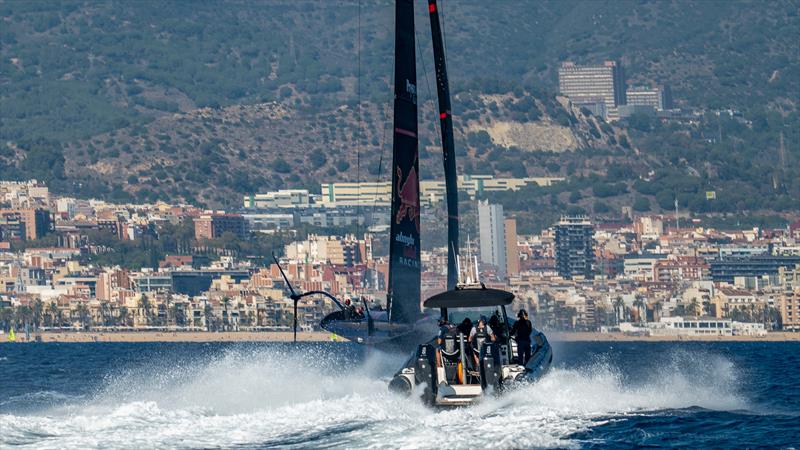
[379, 333]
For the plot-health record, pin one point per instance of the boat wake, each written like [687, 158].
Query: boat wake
[270, 397]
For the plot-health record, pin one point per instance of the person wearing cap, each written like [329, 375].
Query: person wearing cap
[521, 330]
[348, 309]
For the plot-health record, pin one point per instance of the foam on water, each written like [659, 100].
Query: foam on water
[270, 397]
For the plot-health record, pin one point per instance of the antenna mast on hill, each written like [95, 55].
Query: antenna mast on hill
[677, 219]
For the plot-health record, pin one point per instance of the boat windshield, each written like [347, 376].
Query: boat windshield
[456, 316]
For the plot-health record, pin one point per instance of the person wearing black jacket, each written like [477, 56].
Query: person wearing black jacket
[521, 330]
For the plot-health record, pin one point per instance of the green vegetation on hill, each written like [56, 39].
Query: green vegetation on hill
[101, 99]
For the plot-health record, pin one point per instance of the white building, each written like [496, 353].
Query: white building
[641, 268]
[491, 225]
[703, 326]
[284, 198]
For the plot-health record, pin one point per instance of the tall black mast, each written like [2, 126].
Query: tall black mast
[446, 121]
[403, 293]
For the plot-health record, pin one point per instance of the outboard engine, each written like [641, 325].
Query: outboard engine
[425, 371]
[491, 367]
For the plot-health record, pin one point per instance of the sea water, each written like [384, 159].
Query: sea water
[190, 395]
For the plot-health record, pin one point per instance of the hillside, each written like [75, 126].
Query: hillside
[205, 101]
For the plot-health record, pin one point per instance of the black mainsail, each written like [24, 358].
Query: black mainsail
[403, 294]
[448, 151]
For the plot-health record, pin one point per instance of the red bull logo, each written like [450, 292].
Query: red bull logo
[408, 193]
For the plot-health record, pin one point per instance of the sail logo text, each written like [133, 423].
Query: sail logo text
[410, 262]
[406, 239]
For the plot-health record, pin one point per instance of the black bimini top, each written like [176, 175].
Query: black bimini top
[467, 298]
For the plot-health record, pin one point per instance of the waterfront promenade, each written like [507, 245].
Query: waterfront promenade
[319, 336]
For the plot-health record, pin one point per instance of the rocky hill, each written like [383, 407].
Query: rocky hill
[213, 155]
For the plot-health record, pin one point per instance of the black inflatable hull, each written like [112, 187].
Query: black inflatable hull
[380, 334]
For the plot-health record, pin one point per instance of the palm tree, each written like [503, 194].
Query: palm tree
[694, 306]
[54, 314]
[751, 312]
[170, 309]
[657, 308]
[208, 312]
[706, 305]
[23, 316]
[83, 315]
[226, 302]
[619, 307]
[124, 316]
[6, 317]
[105, 313]
[640, 306]
[144, 304]
[600, 316]
[38, 313]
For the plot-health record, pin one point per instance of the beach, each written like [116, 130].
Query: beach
[579, 336]
[321, 336]
[173, 336]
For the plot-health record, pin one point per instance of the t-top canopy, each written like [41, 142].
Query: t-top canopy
[469, 297]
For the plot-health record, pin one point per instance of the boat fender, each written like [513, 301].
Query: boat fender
[400, 384]
[425, 371]
[491, 368]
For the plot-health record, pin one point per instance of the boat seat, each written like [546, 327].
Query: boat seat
[451, 351]
[454, 357]
[450, 345]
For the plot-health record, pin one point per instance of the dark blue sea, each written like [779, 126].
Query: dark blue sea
[190, 395]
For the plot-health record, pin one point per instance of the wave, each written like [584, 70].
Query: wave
[278, 397]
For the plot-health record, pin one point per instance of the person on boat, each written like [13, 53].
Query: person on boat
[349, 309]
[480, 333]
[494, 325]
[445, 329]
[465, 327]
[521, 330]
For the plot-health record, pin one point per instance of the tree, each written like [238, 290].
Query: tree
[641, 204]
[84, 317]
[23, 316]
[170, 312]
[55, 314]
[694, 307]
[38, 313]
[105, 313]
[281, 166]
[226, 302]
[619, 308]
[658, 306]
[317, 158]
[641, 308]
[146, 307]
[6, 318]
[208, 313]
[600, 207]
[124, 316]
[44, 160]
[641, 122]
